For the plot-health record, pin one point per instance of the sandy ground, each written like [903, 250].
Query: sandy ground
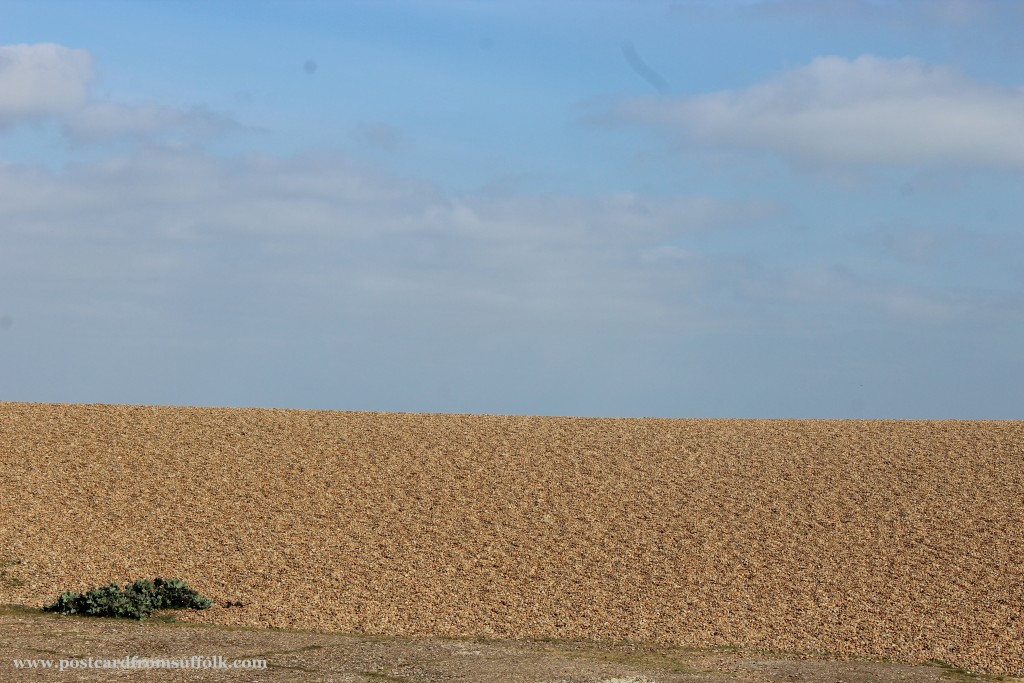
[898, 540]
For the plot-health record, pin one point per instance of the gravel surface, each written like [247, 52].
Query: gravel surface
[885, 539]
[295, 656]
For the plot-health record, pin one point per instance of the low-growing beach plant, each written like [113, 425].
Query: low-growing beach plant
[137, 601]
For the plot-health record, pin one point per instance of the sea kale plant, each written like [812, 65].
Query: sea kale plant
[137, 601]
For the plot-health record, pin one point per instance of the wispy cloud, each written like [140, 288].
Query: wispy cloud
[864, 111]
[942, 245]
[379, 135]
[104, 121]
[186, 233]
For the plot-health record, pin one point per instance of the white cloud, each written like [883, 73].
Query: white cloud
[864, 111]
[41, 80]
[52, 81]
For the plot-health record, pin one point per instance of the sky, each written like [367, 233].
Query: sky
[718, 209]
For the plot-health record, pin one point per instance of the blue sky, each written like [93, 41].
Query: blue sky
[775, 208]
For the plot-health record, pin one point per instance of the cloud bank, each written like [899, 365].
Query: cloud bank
[322, 232]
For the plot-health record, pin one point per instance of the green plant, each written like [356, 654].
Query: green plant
[137, 601]
[176, 594]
